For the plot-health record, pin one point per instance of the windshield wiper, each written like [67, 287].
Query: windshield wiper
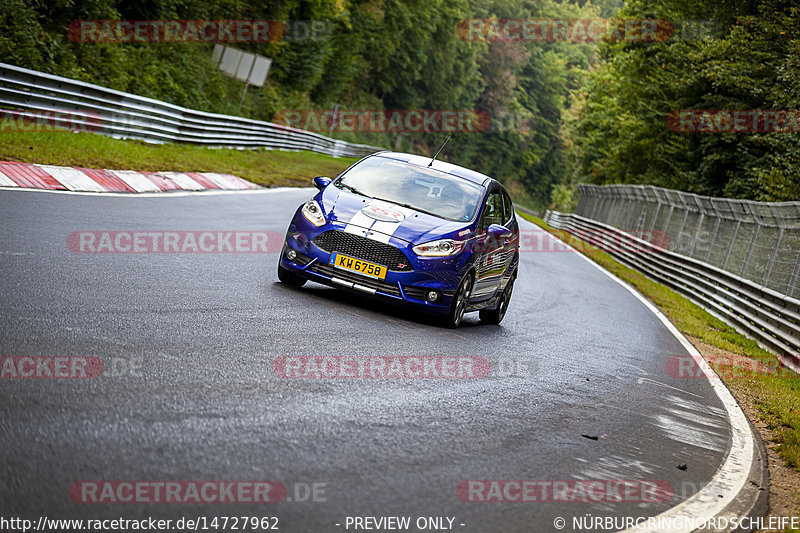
[350, 188]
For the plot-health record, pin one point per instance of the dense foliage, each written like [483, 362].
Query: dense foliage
[747, 58]
[561, 112]
[378, 54]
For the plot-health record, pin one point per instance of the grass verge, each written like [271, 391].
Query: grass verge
[270, 168]
[771, 390]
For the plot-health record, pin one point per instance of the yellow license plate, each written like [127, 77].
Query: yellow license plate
[358, 265]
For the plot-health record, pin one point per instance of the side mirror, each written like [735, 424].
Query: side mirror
[320, 182]
[496, 230]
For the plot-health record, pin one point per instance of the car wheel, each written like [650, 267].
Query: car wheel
[290, 278]
[495, 316]
[460, 302]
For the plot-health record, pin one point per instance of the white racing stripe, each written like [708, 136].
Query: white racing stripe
[378, 236]
[387, 229]
[361, 220]
[72, 178]
[378, 230]
[355, 230]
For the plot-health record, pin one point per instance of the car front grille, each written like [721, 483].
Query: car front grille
[363, 248]
[352, 277]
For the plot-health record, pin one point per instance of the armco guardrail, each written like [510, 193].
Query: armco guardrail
[527, 211]
[759, 241]
[762, 313]
[31, 95]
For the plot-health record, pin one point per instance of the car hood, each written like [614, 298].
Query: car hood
[415, 227]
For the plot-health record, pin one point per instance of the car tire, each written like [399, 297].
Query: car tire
[460, 302]
[495, 316]
[290, 278]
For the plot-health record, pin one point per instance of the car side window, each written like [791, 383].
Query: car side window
[508, 209]
[493, 212]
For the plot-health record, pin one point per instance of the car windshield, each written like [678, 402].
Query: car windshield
[420, 188]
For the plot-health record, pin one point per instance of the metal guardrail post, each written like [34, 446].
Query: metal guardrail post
[750, 249]
[773, 253]
[655, 217]
[792, 288]
[712, 238]
[683, 224]
[696, 233]
[666, 222]
[732, 244]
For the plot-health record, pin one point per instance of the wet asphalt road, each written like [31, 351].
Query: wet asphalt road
[189, 393]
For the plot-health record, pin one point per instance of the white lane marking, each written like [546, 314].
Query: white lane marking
[5, 181]
[732, 475]
[136, 180]
[184, 182]
[72, 178]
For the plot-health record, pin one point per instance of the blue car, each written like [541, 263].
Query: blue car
[408, 229]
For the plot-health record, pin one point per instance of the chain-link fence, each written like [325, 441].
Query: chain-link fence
[758, 241]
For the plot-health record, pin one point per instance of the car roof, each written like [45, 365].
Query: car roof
[442, 166]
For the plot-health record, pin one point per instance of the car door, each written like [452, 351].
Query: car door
[489, 264]
[511, 244]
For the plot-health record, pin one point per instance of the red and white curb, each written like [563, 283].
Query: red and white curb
[33, 176]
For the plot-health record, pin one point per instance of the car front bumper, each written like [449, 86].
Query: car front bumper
[404, 287]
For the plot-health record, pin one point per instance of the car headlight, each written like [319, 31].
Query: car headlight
[441, 248]
[313, 213]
